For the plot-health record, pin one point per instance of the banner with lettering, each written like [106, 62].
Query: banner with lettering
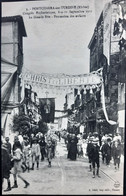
[47, 109]
[62, 80]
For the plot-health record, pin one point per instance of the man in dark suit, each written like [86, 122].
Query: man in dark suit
[89, 152]
[95, 156]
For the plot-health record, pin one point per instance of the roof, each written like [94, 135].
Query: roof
[95, 30]
[92, 40]
[18, 19]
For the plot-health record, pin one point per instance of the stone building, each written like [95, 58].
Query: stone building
[30, 105]
[106, 45]
[122, 90]
[12, 34]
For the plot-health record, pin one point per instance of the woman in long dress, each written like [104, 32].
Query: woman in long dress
[73, 147]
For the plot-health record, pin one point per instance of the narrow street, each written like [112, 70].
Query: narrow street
[63, 75]
[69, 177]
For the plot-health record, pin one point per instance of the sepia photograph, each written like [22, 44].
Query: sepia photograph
[63, 85]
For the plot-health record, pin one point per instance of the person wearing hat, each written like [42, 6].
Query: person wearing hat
[16, 140]
[103, 147]
[8, 144]
[116, 153]
[73, 147]
[42, 144]
[35, 151]
[89, 152]
[117, 136]
[107, 149]
[6, 165]
[95, 156]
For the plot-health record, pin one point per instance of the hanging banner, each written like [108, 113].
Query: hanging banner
[47, 109]
[59, 123]
[62, 80]
[116, 28]
[64, 123]
[22, 91]
[106, 31]
[104, 108]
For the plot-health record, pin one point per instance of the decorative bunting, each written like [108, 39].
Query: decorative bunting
[62, 80]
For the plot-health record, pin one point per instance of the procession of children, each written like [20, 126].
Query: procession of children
[110, 150]
[24, 155]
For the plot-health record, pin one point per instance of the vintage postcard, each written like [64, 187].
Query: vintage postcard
[63, 82]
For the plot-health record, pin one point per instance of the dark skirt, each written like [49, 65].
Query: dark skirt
[5, 173]
[6, 164]
[73, 152]
[117, 161]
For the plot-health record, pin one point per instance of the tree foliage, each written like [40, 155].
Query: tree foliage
[21, 123]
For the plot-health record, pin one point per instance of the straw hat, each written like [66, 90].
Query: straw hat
[95, 133]
[91, 138]
[95, 141]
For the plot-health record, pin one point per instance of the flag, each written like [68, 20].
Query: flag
[47, 109]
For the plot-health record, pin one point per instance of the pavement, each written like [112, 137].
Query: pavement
[67, 177]
[110, 170]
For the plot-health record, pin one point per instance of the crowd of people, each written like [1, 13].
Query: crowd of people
[107, 149]
[26, 152]
[110, 149]
[24, 155]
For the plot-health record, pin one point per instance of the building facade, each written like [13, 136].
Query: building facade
[12, 33]
[107, 50]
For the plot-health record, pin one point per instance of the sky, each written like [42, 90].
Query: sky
[56, 45]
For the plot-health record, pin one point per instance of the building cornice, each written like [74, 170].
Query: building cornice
[18, 19]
